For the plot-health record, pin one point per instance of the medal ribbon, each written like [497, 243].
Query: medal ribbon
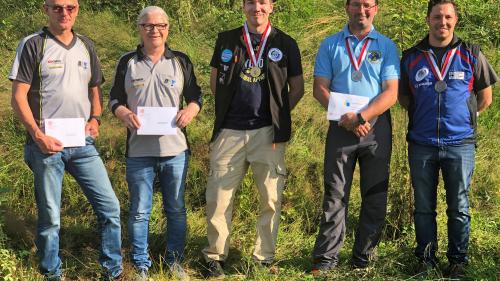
[362, 55]
[263, 41]
[445, 66]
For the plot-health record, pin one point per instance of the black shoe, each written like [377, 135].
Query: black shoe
[322, 267]
[359, 265]
[215, 269]
[455, 271]
[424, 269]
[273, 268]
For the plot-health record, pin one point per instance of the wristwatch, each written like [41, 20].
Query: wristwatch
[361, 120]
[97, 118]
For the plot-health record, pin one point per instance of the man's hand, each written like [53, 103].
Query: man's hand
[128, 118]
[186, 115]
[362, 130]
[92, 128]
[47, 144]
[349, 121]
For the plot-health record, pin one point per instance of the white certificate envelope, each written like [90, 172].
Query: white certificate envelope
[69, 131]
[157, 121]
[339, 104]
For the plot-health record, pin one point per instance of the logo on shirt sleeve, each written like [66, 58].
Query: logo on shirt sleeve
[275, 54]
[421, 74]
[226, 55]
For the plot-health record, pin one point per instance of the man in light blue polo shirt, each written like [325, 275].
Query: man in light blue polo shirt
[356, 61]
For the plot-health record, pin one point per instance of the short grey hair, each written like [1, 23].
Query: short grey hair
[150, 10]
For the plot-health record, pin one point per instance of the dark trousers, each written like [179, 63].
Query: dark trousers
[342, 151]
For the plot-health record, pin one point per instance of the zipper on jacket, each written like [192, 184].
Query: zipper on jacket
[439, 117]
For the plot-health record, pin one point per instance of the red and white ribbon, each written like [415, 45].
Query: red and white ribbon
[445, 66]
[362, 55]
[263, 40]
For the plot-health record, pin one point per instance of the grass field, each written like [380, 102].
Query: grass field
[194, 26]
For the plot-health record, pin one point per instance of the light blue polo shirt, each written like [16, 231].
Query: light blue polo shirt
[381, 63]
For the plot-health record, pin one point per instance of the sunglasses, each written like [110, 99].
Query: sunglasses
[59, 8]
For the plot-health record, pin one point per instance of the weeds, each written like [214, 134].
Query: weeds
[195, 23]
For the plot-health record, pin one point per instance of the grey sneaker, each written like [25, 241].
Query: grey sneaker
[141, 275]
[178, 272]
[54, 278]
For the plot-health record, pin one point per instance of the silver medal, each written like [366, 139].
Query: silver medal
[356, 76]
[440, 86]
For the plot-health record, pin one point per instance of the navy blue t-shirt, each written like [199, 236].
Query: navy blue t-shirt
[250, 105]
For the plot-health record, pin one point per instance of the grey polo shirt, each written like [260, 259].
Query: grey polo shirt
[139, 82]
[60, 76]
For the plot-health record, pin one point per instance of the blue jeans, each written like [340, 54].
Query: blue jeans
[141, 174]
[457, 165]
[85, 165]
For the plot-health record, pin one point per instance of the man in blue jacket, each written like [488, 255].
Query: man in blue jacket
[445, 82]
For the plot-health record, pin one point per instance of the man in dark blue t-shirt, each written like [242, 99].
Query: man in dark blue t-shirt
[257, 79]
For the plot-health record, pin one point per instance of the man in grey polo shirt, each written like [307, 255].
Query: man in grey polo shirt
[56, 75]
[157, 79]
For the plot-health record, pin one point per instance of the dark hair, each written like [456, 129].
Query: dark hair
[433, 3]
[272, 1]
[347, 2]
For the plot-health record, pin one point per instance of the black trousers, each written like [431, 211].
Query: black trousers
[373, 152]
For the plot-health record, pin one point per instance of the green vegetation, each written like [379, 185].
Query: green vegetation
[195, 23]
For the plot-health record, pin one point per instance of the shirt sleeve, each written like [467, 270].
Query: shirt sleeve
[484, 74]
[214, 62]
[391, 63]
[25, 62]
[97, 77]
[323, 63]
[117, 94]
[294, 67]
[192, 91]
[404, 82]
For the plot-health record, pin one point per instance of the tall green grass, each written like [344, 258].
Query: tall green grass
[195, 23]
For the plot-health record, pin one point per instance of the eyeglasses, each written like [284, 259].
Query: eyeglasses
[364, 6]
[151, 26]
[60, 8]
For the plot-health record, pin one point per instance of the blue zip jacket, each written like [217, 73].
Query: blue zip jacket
[449, 117]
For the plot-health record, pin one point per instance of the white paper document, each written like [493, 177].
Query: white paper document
[339, 104]
[157, 121]
[69, 131]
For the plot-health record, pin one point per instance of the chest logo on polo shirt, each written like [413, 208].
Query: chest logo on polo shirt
[456, 75]
[275, 54]
[55, 63]
[138, 82]
[226, 55]
[421, 74]
[169, 82]
[374, 57]
[83, 64]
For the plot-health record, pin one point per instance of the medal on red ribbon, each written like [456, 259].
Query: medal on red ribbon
[440, 85]
[357, 75]
[255, 70]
